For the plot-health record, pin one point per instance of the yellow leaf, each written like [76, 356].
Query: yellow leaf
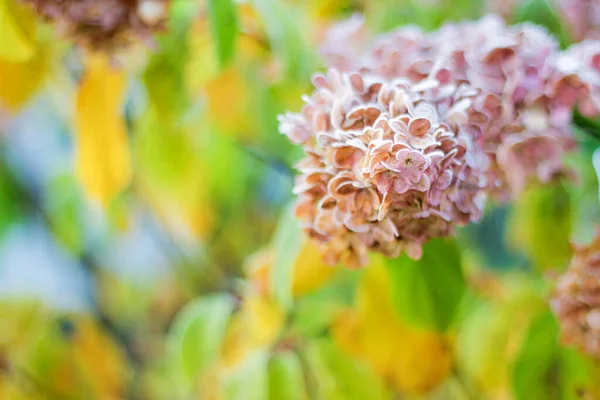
[203, 64]
[256, 326]
[14, 389]
[15, 35]
[99, 360]
[21, 80]
[413, 360]
[21, 77]
[253, 329]
[309, 273]
[21, 322]
[264, 319]
[229, 103]
[103, 159]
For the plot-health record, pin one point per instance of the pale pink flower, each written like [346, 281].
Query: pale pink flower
[344, 43]
[414, 130]
[395, 165]
[533, 87]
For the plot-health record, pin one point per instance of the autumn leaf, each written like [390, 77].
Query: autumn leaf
[16, 30]
[72, 357]
[308, 271]
[103, 160]
[99, 360]
[229, 100]
[202, 65]
[414, 360]
[24, 79]
[23, 64]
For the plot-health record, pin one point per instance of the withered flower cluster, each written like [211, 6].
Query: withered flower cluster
[409, 133]
[389, 163]
[106, 24]
[576, 301]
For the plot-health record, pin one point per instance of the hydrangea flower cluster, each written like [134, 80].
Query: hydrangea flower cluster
[576, 301]
[389, 163]
[408, 133]
[537, 85]
[104, 24]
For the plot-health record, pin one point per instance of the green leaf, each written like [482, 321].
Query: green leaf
[428, 291]
[164, 76]
[536, 369]
[541, 12]
[286, 245]
[596, 164]
[337, 376]
[489, 329]
[13, 201]
[62, 203]
[579, 375]
[197, 335]
[223, 23]
[540, 226]
[313, 315]
[545, 370]
[588, 125]
[250, 380]
[283, 30]
[286, 378]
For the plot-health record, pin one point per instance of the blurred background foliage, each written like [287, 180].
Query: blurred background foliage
[147, 250]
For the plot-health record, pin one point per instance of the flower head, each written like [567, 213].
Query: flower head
[576, 300]
[533, 87]
[389, 165]
[104, 24]
[406, 136]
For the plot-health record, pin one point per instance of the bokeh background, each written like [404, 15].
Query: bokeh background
[147, 251]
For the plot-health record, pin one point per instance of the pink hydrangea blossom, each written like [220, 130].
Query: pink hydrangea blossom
[534, 85]
[409, 133]
[389, 165]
